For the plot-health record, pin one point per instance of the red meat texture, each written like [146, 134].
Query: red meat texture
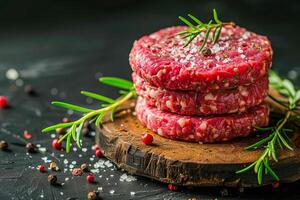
[202, 129]
[240, 57]
[194, 103]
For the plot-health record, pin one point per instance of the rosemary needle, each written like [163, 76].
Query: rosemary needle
[95, 116]
[278, 137]
[195, 27]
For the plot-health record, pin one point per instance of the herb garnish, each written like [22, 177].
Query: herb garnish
[194, 30]
[278, 137]
[93, 116]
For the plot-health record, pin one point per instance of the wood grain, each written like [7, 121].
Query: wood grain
[189, 164]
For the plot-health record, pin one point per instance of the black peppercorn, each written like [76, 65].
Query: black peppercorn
[85, 132]
[87, 125]
[29, 90]
[92, 196]
[206, 52]
[3, 145]
[60, 131]
[52, 179]
[30, 147]
[84, 167]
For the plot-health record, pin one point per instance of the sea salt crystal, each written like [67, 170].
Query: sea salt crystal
[19, 82]
[52, 135]
[74, 149]
[71, 166]
[61, 193]
[89, 100]
[108, 164]
[127, 178]
[66, 161]
[67, 178]
[70, 112]
[216, 48]
[84, 149]
[74, 162]
[12, 74]
[100, 189]
[243, 56]
[293, 74]
[45, 159]
[132, 193]
[95, 171]
[111, 191]
[42, 149]
[79, 155]
[239, 50]
[54, 91]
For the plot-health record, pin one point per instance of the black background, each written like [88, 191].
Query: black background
[66, 45]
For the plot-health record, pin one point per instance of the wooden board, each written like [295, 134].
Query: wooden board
[188, 164]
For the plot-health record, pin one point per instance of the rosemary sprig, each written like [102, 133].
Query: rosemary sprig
[195, 27]
[93, 116]
[278, 137]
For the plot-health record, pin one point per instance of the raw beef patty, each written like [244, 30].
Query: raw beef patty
[196, 103]
[202, 129]
[239, 57]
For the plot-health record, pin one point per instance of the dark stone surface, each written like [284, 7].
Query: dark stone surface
[61, 47]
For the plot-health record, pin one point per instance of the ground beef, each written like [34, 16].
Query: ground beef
[239, 57]
[202, 129]
[195, 103]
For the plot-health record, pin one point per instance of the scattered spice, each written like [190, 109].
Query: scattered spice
[77, 172]
[3, 102]
[85, 167]
[276, 184]
[27, 135]
[30, 147]
[56, 144]
[172, 187]
[3, 145]
[41, 168]
[53, 166]
[147, 138]
[95, 147]
[87, 125]
[85, 132]
[206, 51]
[92, 196]
[52, 179]
[98, 153]
[66, 120]
[29, 90]
[60, 131]
[90, 178]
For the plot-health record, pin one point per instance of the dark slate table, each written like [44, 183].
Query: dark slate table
[62, 47]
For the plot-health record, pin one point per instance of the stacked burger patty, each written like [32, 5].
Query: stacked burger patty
[202, 96]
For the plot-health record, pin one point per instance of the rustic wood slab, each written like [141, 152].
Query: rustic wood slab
[187, 164]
